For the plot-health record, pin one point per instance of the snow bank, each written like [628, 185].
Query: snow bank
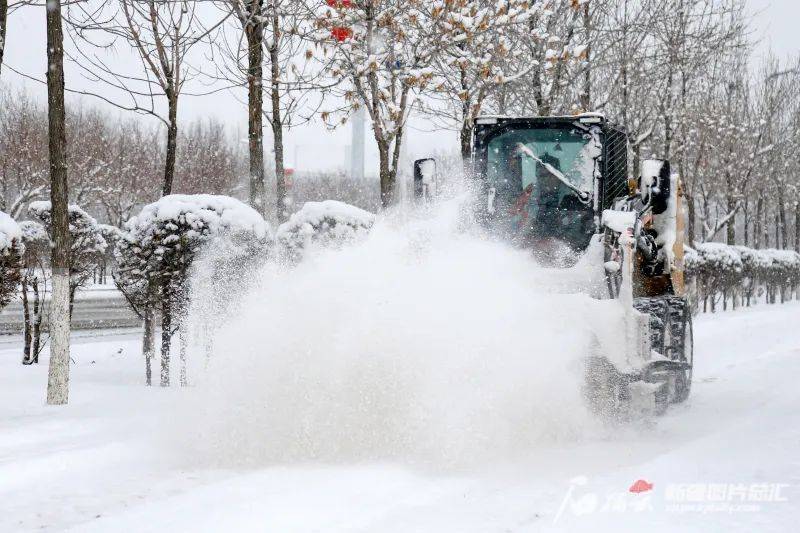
[419, 343]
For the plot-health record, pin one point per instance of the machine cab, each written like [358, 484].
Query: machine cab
[546, 180]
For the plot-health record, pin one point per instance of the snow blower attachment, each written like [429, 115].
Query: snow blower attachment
[559, 186]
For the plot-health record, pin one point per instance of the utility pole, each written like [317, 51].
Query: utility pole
[58, 376]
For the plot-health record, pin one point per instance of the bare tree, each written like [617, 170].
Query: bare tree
[249, 14]
[161, 35]
[58, 376]
[208, 161]
[24, 159]
[272, 35]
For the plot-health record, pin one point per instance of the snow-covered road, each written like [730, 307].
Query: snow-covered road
[727, 460]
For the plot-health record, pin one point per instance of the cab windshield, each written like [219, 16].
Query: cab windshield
[542, 181]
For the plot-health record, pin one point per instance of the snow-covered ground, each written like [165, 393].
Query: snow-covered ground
[725, 461]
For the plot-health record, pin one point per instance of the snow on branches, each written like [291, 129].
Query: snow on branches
[488, 45]
[11, 250]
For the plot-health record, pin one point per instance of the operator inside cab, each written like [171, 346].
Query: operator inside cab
[538, 206]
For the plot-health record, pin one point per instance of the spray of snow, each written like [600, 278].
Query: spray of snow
[422, 343]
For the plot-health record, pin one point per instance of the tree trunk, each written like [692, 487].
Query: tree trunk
[502, 95]
[636, 164]
[58, 374]
[183, 341]
[757, 223]
[277, 120]
[782, 222]
[586, 88]
[797, 227]
[254, 30]
[166, 336]
[149, 344]
[777, 231]
[746, 214]
[730, 227]
[72, 289]
[465, 137]
[172, 143]
[387, 183]
[691, 217]
[38, 313]
[667, 109]
[27, 324]
[3, 21]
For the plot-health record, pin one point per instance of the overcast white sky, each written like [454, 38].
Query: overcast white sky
[776, 23]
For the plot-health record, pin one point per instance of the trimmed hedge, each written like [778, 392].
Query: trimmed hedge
[742, 275]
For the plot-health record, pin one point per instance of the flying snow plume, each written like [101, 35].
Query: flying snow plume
[420, 343]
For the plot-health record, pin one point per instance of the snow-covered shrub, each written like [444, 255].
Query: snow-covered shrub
[754, 262]
[721, 258]
[160, 243]
[11, 250]
[33, 286]
[755, 270]
[726, 270]
[718, 271]
[327, 223]
[158, 246]
[783, 273]
[87, 244]
[691, 261]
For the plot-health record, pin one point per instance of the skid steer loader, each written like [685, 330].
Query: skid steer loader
[560, 187]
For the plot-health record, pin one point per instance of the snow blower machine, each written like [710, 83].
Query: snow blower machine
[560, 187]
